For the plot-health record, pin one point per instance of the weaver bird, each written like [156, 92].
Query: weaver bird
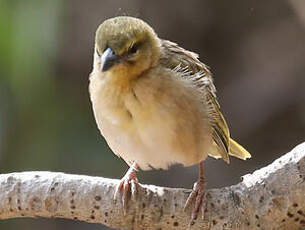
[155, 104]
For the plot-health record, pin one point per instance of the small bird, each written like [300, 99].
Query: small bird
[155, 104]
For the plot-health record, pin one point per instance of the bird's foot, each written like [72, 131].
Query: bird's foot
[129, 180]
[198, 194]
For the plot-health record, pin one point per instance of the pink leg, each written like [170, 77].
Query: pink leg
[130, 179]
[198, 194]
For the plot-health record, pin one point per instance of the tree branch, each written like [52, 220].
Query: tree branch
[270, 198]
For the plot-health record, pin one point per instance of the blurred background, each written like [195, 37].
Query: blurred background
[256, 51]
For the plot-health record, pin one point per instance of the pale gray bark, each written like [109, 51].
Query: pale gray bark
[270, 198]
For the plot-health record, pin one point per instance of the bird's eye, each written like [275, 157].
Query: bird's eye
[133, 49]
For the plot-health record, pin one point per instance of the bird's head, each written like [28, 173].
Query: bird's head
[126, 46]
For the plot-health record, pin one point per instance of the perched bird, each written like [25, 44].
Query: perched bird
[155, 104]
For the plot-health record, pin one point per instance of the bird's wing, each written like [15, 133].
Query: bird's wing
[175, 57]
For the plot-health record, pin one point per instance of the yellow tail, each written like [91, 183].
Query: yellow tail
[238, 151]
[235, 150]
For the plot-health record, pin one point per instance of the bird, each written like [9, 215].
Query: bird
[155, 104]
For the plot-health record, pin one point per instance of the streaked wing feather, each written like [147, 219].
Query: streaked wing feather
[221, 133]
[175, 57]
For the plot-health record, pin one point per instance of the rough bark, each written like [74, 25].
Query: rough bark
[270, 198]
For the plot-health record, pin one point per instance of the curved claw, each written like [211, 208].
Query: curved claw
[129, 180]
[198, 194]
[190, 198]
[118, 190]
[125, 196]
[134, 189]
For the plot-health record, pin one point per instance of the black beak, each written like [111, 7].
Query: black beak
[108, 59]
